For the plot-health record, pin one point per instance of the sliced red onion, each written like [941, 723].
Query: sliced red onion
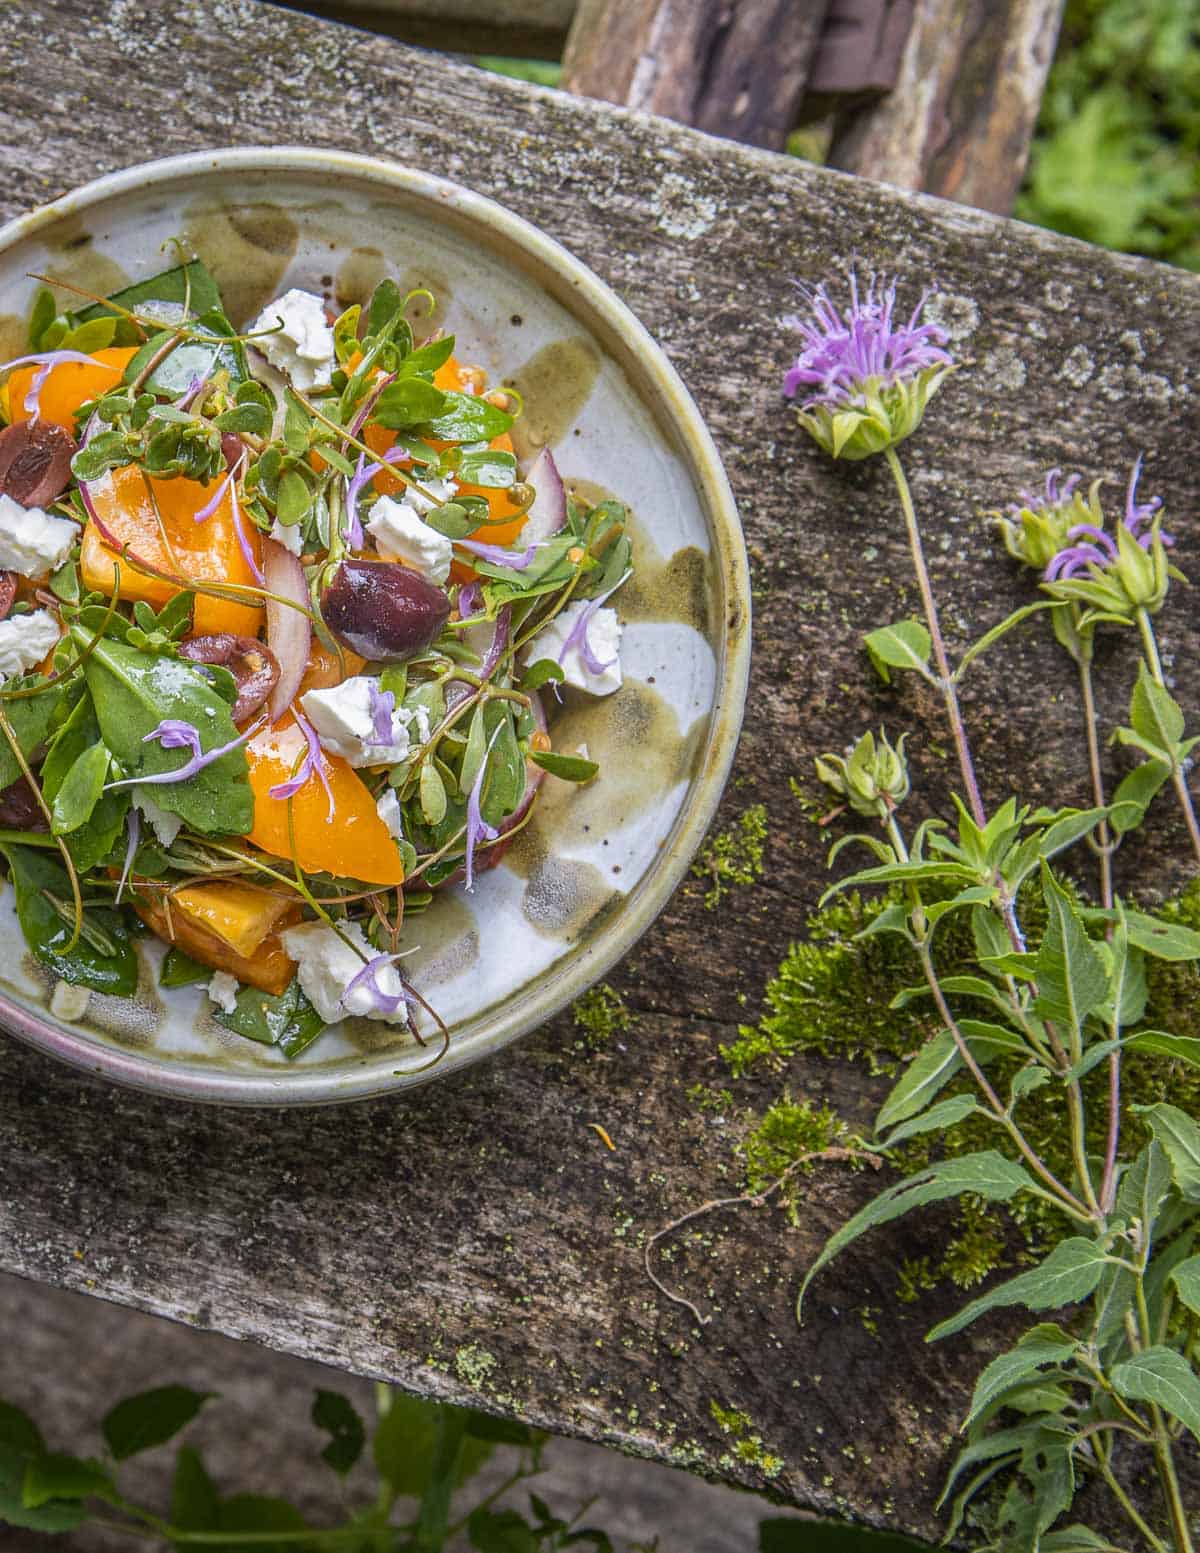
[289, 631]
[173, 733]
[47, 361]
[499, 642]
[497, 555]
[313, 760]
[470, 597]
[134, 821]
[548, 511]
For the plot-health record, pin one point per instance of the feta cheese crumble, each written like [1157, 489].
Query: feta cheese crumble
[326, 966]
[344, 719]
[25, 640]
[401, 535]
[603, 636]
[288, 535]
[303, 349]
[33, 542]
[166, 826]
[223, 989]
[388, 809]
[69, 1003]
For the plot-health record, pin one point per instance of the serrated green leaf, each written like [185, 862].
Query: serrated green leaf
[946, 1113]
[1070, 972]
[1069, 1273]
[985, 1174]
[1163, 940]
[1164, 1377]
[1186, 1278]
[1154, 712]
[1134, 794]
[1180, 1139]
[1043, 1345]
[1180, 1048]
[930, 1070]
[150, 1418]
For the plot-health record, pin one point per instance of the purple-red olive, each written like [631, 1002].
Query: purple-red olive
[19, 808]
[35, 462]
[8, 592]
[382, 610]
[251, 662]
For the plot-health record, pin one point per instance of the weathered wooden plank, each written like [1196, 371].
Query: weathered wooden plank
[520, 28]
[735, 68]
[477, 1240]
[961, 116]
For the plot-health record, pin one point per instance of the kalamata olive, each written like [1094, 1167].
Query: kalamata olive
[8, 592]
[382, 610]
[232, 448]
[251, 662]
[35, 462]
[19, 808]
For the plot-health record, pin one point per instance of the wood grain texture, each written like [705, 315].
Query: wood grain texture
[962, 115]
[520, 29]
[735, 68]
[476, 1240]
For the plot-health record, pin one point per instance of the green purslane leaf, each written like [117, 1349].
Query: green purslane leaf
[1071, 1272]
[18, 1432]
[150, 1418]
[32, 719]
[336, 1415]
[1164, 1377]
[288, 1021]
[570, 768]
[986, 1174]
[80, 790]
[464, 418]
[410, 401]
[180, 970]
[432, 793]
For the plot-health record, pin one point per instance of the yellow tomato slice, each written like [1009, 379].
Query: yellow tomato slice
[353, 841]
[157, 520]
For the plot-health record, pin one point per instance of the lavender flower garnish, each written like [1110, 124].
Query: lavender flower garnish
[173, 733]
[497, 555]
[478, 828]
[314, 761]
[383, 711]
[499, 642]
[868, 377]
[384, 1002]
[364, 473]
[577, 637]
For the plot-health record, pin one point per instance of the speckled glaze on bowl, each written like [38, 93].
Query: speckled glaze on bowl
[597, 864]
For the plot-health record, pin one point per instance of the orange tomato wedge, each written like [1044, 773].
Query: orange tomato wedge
[157, 520]
[68, 385]
[324, 670]
[354, 842]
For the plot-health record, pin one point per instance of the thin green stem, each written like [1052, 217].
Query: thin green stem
[1163, 1454]
[1123, 1499]
[1154, 664]
[515, 1477]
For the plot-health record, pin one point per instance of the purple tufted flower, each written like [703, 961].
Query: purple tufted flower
[1091, 546]
[866, 377]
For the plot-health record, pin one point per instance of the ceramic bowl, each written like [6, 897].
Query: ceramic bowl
[598, 863]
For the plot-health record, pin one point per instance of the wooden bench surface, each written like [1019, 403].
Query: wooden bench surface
[477, 1240]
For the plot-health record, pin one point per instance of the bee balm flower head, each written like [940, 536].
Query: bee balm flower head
[865, 377]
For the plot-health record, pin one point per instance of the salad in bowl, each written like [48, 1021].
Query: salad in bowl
[279, 618]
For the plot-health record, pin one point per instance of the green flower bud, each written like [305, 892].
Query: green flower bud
[873, 778]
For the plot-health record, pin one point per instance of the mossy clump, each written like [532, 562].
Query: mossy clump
[735, 856]
[788, 1130]
[601, 1014]
[747, 1446]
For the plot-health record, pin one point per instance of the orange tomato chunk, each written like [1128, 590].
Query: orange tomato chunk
[269, 968]
[157, 520]
[353, 842]
[68, 385]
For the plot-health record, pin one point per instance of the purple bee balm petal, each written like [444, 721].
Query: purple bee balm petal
[174, 734]
[46, 362]
[314, 761]
[497, 555]
[1076, 559]
[134, 822]
[1138, 513]
[841, 351]
[383, 710]
[1090, 531]
[477, 827]
[470, 596]
[368, 977]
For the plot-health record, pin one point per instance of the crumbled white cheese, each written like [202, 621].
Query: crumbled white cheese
[288, 535]
[603, 638]
[326, 966]
[388, 809]
[345, 726]
[439, 489]
[31, 541]
[69, 1003]
[223, 989]
[165, 825]
[303, 349]
[400, 535]
[25, 640]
